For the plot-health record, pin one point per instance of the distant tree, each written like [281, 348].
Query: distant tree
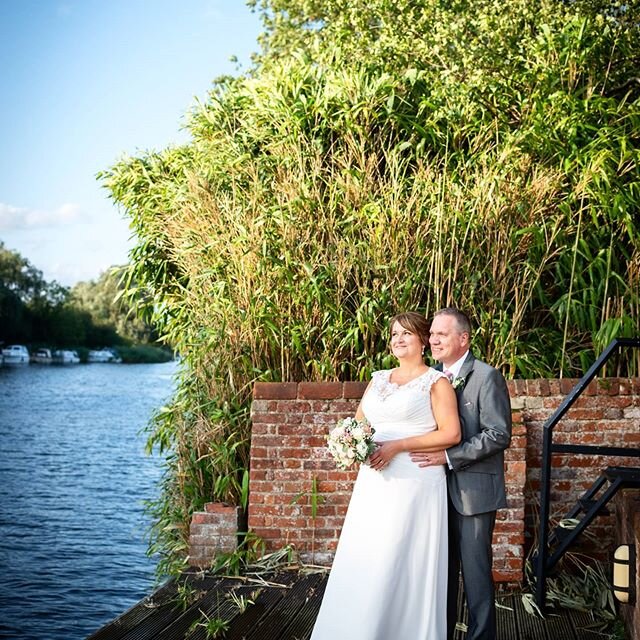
[102, 300]
[27, 300]
[91, 314]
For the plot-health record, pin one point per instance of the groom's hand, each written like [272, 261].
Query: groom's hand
[432, 459]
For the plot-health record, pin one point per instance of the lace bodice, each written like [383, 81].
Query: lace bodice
[400, 410]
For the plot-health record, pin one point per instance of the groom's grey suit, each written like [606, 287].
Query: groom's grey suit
[476, 490]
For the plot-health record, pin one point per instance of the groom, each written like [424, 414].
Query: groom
[475, 475]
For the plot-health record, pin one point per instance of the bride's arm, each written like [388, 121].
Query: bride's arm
[359, 413]
[445, 412]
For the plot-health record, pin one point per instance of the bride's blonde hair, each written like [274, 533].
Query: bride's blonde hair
[414, 322]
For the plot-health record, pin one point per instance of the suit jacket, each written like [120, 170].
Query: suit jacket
[476, 477]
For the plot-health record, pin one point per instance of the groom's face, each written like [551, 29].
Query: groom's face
[447, 343]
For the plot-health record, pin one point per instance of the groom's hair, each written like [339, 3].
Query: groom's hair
[461, 318]
[415, 322]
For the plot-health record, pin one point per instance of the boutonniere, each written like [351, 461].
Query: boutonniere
[458, 382]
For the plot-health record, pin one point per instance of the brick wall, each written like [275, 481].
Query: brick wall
[627, 509]
[212, 531]
[288, 453]
[607, 414]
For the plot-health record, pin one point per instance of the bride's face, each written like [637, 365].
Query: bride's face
[405, 343]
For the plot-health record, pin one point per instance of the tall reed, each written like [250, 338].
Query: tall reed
[321, 195]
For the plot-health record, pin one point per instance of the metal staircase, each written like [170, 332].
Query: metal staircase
[552, 545]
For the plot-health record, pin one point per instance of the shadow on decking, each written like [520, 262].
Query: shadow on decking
[284, 607]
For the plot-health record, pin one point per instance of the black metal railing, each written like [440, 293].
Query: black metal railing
[617, 476]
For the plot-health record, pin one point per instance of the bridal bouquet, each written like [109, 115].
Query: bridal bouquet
[351, 441]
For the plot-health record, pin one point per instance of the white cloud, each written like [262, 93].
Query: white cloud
[13, 218]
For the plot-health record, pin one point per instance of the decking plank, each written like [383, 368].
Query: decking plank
[286, 608]
[506, 626]
[255, 613]
[152, 627]
[278, 618]
[135, 615]
[301, 625]
[268, 598]
[581, 621]
[529, 627]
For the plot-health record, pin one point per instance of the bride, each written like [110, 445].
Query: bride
[389, 575]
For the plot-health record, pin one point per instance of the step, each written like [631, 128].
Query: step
[629, 476]
[587, 503]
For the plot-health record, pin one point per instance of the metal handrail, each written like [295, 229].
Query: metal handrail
[548, 448]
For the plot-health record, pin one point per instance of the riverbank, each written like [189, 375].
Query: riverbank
[121, 354]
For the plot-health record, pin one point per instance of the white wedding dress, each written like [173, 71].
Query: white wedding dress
[388, 580]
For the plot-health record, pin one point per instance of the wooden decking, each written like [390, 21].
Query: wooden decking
[283, 606]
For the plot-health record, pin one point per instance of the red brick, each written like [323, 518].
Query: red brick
[625, 386]
[291, 406]
[517, 468]
[344, 407]
[220, 507]
[354, 389]
[587, 414]
[200, 517]
[320, 390]
[608, 386]
[520, 388]
[275, 390]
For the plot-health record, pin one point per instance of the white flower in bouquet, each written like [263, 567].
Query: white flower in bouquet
[351, 441]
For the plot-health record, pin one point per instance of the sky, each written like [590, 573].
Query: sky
[84, 83]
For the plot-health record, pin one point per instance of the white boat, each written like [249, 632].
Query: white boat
[103, 355]
[62, 356]
[42, 356]
[15, 354]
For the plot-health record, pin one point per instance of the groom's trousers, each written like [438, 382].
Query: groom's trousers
[470, 552]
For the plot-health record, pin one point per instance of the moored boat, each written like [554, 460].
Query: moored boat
[15, 354]
[103, 355]
[42, 356]
[63, 356]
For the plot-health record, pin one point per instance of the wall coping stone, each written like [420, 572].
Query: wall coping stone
[540, 387]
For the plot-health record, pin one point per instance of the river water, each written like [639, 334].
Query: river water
[73, 478]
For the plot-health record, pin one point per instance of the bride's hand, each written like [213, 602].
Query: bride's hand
[383, 455]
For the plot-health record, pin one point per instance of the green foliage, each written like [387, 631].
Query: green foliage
[315, 499]
[581, 583]
[242, 601]
[384, 156]
[144, 353]
[248, 552]
[186, 595]
[27, 301]
[110, 315]
[213, 626]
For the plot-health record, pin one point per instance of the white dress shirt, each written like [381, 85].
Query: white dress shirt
[457, 365]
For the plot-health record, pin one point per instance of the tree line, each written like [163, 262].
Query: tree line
[90, 314]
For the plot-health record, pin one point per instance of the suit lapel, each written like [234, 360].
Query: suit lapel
[467, 366]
